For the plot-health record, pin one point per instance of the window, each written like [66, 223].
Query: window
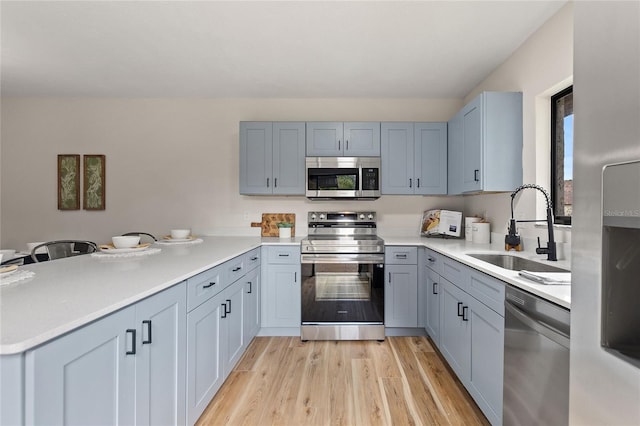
[562, 155]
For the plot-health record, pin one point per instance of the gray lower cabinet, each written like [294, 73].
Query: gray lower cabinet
[401, 287]
[251, 304]
[272, 158]
[432, 290]
[127, 368]
[472, 334]
[281, 297]
[414, 158]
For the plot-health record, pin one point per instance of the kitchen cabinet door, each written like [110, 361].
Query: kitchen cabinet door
[432, 317]
[288, 158]
[325, 139]
[256, 158]
[455, 329]
[205, 372]
[281, 297]
[85, 377]
[401, 296]
[233, 328]
[430, 158]
[455, 152]
[396, 158]
[251, 302]
[492, 142]
[161, 358]
[487, 359]
[361, 139]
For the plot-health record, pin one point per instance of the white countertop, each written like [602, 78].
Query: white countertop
[68, 293]
[457, 249]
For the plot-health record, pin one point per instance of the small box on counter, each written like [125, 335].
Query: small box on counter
[441, 222]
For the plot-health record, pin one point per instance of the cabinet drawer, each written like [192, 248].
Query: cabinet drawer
[235, 268]
[433, 261]
[400, 255]
[283, 254]
[487, 290]
[455, 272]
[203, 286]
[252, 259]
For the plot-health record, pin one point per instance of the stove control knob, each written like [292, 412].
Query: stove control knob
[370, 216]
[361, 216]
[313, 217]
[321, 216]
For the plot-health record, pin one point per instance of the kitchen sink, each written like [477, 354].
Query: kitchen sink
[516, 263]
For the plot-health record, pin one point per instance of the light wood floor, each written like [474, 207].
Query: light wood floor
[283, 381]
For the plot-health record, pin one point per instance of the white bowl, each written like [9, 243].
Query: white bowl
[179, 234]
[125, 241]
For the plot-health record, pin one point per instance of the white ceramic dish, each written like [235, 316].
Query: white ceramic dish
[170, 239]
[111, 249]
[180, 233]
[125, 241]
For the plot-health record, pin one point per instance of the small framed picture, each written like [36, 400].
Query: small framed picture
[68, 182]
[94, 182]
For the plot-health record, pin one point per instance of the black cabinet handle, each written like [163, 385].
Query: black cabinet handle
[225, 307]
[410, 183]
[338, 144]
[211, 284]
[254, 258]
[464, 313]
[401, 256]
[283, 255]
[418, 183]
[249, 282]
[224, 310]
[267, 182]
[431, 259]
[459, 306]
[275, 182]
[346, 148]
[236, 269]
[389, 277]
[148, 324]
[434, 287]
[295, 277]
[133, 341]
[475, 175]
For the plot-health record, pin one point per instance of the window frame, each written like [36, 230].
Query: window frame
[558, 219]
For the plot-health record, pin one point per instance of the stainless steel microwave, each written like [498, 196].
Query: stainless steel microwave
[342, 177]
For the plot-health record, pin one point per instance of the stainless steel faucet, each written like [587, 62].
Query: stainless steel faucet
[512, 239]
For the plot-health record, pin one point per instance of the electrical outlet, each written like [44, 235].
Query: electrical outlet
[245, 216]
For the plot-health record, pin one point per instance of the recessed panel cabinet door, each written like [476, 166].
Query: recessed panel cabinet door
[430, 160]
[161, 358]
[85, 377]
[256, 160]
[282, 298]
[288, 158]
[324, 139]
[455, 329]
[401, 296]
[361, 139]
[472, 137]
[234, 344]
[434, 287]
[397, 145]
[251, 304]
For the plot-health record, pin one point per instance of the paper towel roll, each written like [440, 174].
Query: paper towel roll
[467, 226]
[481, 232]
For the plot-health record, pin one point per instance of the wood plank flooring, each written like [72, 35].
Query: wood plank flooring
[284, 381]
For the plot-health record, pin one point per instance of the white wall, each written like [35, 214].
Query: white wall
[172, 163]
[539, 68]
[604, 389]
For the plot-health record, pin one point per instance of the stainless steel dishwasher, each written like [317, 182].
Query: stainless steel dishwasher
[536, 361]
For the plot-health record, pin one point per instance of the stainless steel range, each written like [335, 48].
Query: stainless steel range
[342, 277]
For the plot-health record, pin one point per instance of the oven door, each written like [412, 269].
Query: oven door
[342, 289]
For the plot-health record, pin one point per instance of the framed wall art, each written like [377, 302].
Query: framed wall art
[68, 182]
[94, 182]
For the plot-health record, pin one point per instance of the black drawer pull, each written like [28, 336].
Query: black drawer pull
[401, 256]
[435, 286]
[250, 289]
[475, 175]
[211, 284]
[431, 259]
[464, 313]
[459, 306]
[133, 341]
[254, 258]
[418, 181]
[236, 269]
[409, 182]
[224, 310]
[284, 255]
[225, 307]
[148, 341]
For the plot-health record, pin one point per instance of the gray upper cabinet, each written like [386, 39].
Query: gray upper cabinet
[337, 139]
[272, 158]
[414, 158]
[489, 134]
[455, 154]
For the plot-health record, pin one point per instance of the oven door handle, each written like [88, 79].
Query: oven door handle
[342, 258]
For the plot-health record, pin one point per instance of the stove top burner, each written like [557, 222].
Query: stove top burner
[342, 232]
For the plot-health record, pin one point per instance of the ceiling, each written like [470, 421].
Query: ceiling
[299, 49]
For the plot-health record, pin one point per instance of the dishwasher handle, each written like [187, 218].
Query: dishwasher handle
[546, 330]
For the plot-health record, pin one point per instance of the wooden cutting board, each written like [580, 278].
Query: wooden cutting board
[270, 222]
